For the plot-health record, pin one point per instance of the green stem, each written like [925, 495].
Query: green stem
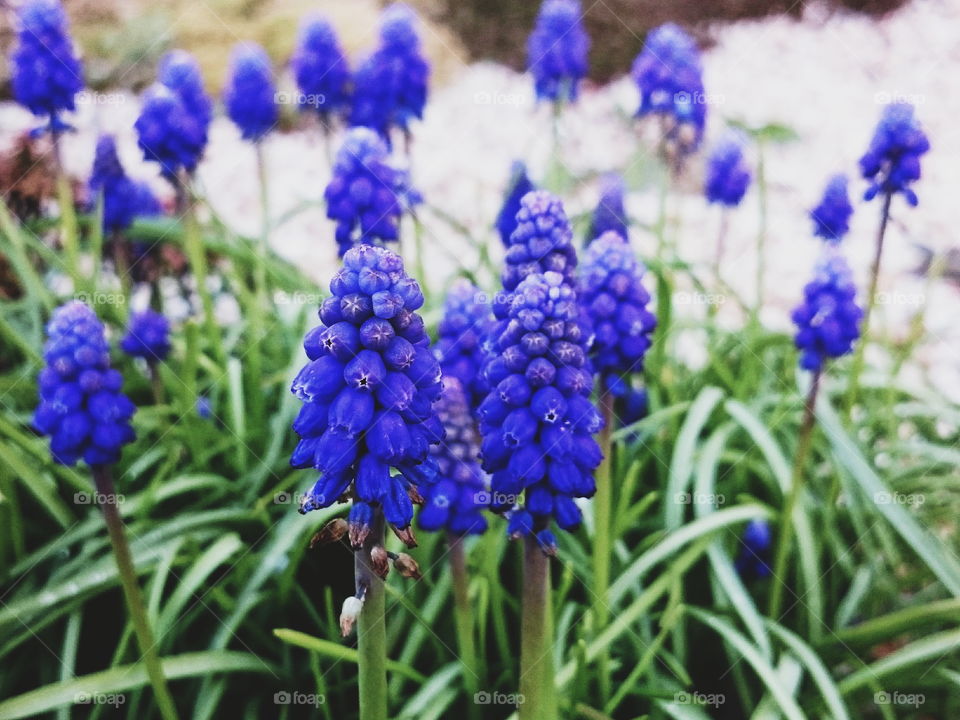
[602, 541]
[103, 480]
[371, 628]
[536, 646]
[463, 614]
[260, 299]
[68, 219]
[858, 358]
[779, 580]
[762, 231]
[156, 383]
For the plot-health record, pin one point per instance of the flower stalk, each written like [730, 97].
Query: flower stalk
[536, 646]
[371, 626]
[463, 616]
[602, 541]
[103, 481]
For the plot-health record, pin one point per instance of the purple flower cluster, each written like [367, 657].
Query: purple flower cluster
[45, 68]
[831, 218]
[250, 96]
[461, 333]
[81, 407]
[366, 196]
[892, 162]
[537, 422]
[148, 336]
[753, 560]
[368, 393]
[320, 68]
[454, 498]
[519, 186]
[828, 319]
[390, 86]
[728, 176]
[121, 196]
[557, 50]
[610, 214]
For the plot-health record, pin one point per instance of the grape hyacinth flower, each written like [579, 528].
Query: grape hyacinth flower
[610, 214]
[46, 72]
[828, 319]
[613, 294]
[461, 333]
[109, 180]
[892, 162]
[167, 134]
[390, 86]
[321, 69]
[753, 560]
[537, 422]
[368, 393]
[831, 217]
[557, 50]
[668, 73]
[519, 186]
[148, 336]
[250, 96]
[366, 196]
[728, 176]
[455, 497]
[81, 407]
[179, 71]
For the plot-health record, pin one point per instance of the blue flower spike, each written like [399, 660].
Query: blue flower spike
[461, 334]
[250, 95]
[121, 196]
[728, 175]
[557, 51]
[831, 217]
[81, 406]
[669, 74]
[610, 213]
[167, 134]
[828, 319]
[366, 196]
[518, 186]
[390, 86]
[46, 72]
[321, 69]
[148, 336]
[454, 498]
[368, 392]
[892, 162]
[756, 551]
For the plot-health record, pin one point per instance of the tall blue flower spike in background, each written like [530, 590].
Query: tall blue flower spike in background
[121, 201]
[828, 319]
[613, 294]
[321, 69]
[831, 218]
[368, 394]
[46, 72]
[668, 73]
[892, 162]
[81, 407]
[755, 555]
[728, 176]
[461, 333]
[167, 134]
[454, 498]
[610, 214]
[557, 50]
[179, 71]
[390, 86]
[250, 96]
[148, 336]
[366, 196]
[538, 422]
[518, 186]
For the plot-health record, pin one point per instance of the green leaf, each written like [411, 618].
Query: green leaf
[932, 648]
[338, 652]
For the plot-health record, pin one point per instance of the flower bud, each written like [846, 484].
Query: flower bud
[349, 614]
[379, 561]
[331, 532]
[407, 566]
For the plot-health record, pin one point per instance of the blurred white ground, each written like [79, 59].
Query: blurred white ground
[826, 77]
